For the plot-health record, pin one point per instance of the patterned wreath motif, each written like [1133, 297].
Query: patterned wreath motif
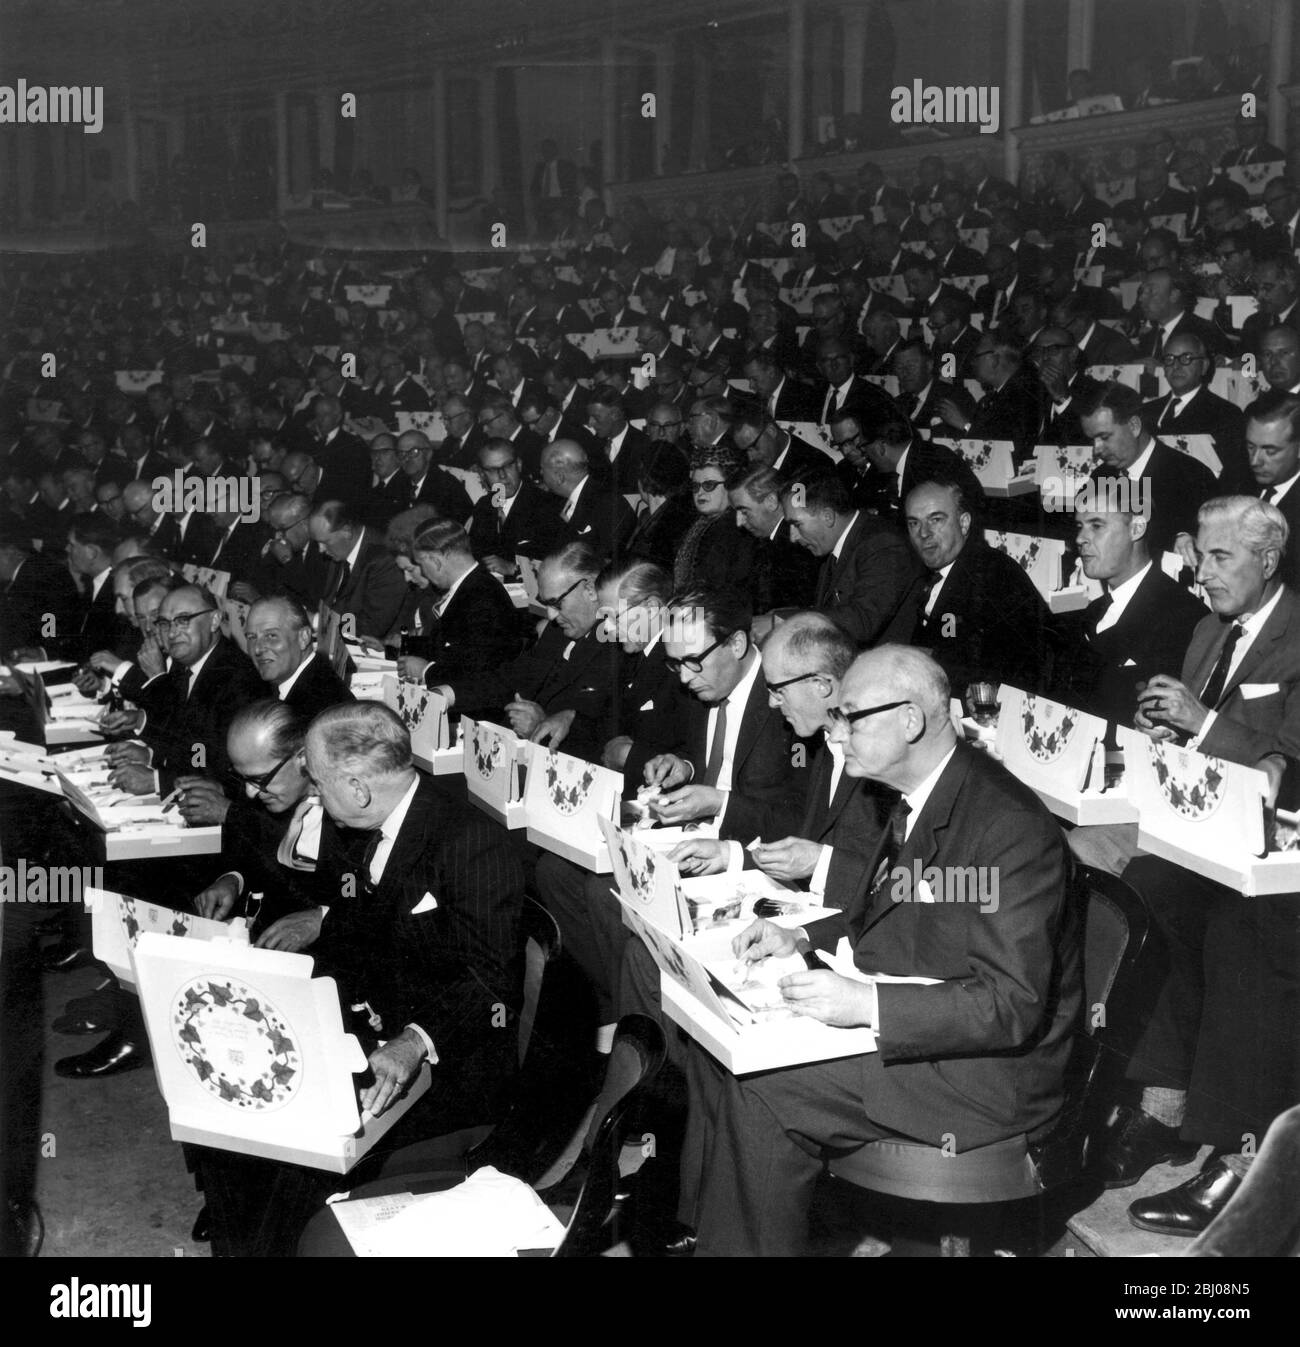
[1046, 741]
[641, 873]
[567, 787]
[1191, 784]
[1025, 556]
[412, 705]
[237, 1044]
[978, 456]
[131, 923]
[487, 752]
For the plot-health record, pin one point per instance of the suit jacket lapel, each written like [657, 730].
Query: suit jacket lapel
[1260, 648]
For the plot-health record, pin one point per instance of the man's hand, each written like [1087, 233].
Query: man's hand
[828, 997]
[372, 644]
[296, 931]
[412, 667]
[1166, 701]
[524, 716]
[667, 771]
[952, 415]
[28, 654]
[790, 858]
[152, 658]
[497, 565]
[125, 754]
[203, 803]
[1185, 546]
[615, 755]
[105, 661]
[394, 1065]
[699, 856]
[243, 591]
[86, 681]
[133, 779]
[554, 730]
[218, 900]
[688, 803]
[121, 722]
[761, 939]
[444, 690]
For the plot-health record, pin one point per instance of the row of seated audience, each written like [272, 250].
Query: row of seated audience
[718, 591]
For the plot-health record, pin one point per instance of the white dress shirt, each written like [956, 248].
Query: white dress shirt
[1120, 596]
[1251, 627]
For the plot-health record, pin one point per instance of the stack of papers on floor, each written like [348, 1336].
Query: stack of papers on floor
[489, 1215]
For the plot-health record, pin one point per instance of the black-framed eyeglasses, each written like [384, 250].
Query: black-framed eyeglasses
[709, 485]
[262, 782]
[555, 603]
[655, 426]
[695, 663]
[164, 624]
[1056, 346]
[1187, 358]
[839, 717]
[410, 453]
[777, 690]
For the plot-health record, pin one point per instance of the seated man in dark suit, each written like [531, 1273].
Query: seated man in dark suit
[1215, 1064]
[622, 446]
[1191, 409]
[768, 445]
[35, 594]
[1139, 627]
[1166, 300]
[1172, 485]
[514, 517]
[591, 512]
[389, 486]
[867, 568]
[901, 461]
[974, 610]
[920, 392]
[784, 575]
[1059, 362]
[1276, 282]
[291, 562]
[93, 624]
[668, 510]
[208, 681]
[784, 399]
[1098, 344]
[470, 628]
[569, 673]
[1273, 445]
[280, 644]
[428, 484]
[979, 1054]
[364, 586]
[1013, 403]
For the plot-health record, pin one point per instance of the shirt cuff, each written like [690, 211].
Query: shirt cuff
[1203, 733]
[722, 809]
[821, 872]
[735, 858]
[873, 1005]
[232, 874]
[429, 1050]
[118, 674]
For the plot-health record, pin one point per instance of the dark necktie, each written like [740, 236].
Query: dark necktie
[1158, 347]
[345, 574]
[1213, 693]
[367, 859]
[1169, 406]
[717, 749]
[1270, 494]
[1103, 607]
[927, 588]
[897, 835]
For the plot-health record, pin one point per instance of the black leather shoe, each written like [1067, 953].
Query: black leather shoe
[680, 1244]
[83, 1024]
[115, 1054]
[1189, 1208]
[66, 956]
[201, 1232]
[1135, 1143]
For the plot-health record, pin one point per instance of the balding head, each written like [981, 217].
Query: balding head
[564, 465]
[359, 759]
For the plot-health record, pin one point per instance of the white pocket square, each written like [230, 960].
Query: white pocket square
[426, 904]
[1129, 664]
[647, 706]
[924, 893]
[1252, 690]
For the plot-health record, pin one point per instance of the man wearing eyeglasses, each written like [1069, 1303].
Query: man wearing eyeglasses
[209, 680]
[1014, 400]
[729, 760]
[977, 1052]
[783, 398]
[1059, 362]
[497, 419]
[1191, 409]
[426, 483]
[567, 677]
[513, 517]
[460, 448]
[1277, 287]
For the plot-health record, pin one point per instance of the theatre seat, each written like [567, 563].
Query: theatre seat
[587, 1200]
[1114, 935]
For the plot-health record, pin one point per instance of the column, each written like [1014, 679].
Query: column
[663, 102]
[130, 153]
[24, 140]
[608, 111]
[701, 86]
[280, 118]
[1081, 24]
[794, 110]
[440, 173]
[1279, 70]
[327, 120]
[854, 19]
[489, 152]
[1013, 87]
[59, 139]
